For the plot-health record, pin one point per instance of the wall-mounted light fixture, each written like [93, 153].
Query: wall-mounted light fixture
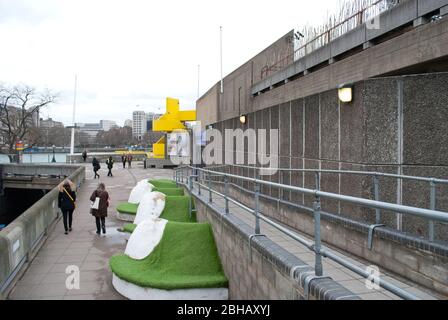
[345, 93]
[243, 119]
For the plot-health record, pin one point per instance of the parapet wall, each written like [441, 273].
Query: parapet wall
[410, 257]
[20, 240]
[261, 270]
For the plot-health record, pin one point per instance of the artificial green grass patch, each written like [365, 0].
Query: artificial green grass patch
[163, 183]
[185, 258]
[129, 227]
[127, 208]
[176, 209]
[170, 191]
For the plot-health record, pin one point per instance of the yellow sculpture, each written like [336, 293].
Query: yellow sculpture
[172, 120]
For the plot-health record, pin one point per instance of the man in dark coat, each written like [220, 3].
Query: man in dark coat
[96, 167]
[129, 160]
[110, 165]
[84, 155]
[100, 214]
[124, 159]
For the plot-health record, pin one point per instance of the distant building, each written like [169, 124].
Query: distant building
[91, 129]
[128, 123]
[50, 123]
[108, 124]
[138, 124]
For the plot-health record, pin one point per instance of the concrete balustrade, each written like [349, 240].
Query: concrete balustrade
[20, 240]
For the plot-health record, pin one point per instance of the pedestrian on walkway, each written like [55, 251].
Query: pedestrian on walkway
[110, 165]
[84, 155]
[123, 159]
[129, 160]
[67, 203]
[96, 167]
[100, 214]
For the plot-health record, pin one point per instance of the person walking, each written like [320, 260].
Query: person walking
[129, 160]
[110, 165]
[84, 155]
[100, 214]
[123, 159]
[66, 202]
[96, 167]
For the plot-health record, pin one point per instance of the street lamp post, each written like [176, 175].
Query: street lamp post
[54, 158]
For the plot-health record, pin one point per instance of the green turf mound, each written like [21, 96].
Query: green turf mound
[127, 208]
[186, 258]
[163, 183]
[176, 209]
[170, 191]
[129, 227]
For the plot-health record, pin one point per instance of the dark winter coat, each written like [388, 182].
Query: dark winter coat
[96, 165]
[110, 163]
[64, 201]
[104, 203]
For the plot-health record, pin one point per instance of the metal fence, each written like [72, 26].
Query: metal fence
[364, 11]
[433, 183]
[202, 179]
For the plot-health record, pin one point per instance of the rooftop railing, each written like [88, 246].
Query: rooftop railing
[365, 14]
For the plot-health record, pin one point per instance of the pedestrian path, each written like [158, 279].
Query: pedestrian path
[46, 276]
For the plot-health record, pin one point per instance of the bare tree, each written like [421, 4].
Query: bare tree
[19, 113]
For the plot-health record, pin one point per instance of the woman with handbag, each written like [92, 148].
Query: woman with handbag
[66, 202]
[100, 202]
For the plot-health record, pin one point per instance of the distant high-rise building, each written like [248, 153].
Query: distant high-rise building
[128, 123]
[138, 124]
[107, 124]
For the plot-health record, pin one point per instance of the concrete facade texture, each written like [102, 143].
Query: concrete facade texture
[393, 125]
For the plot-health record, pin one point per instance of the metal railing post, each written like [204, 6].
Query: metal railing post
[432, 206]
[210, 187]
[376, 190]
[199, 182]
[257, 205]
[317, 175]
[226, 192]
[318, 269]
[190, 189]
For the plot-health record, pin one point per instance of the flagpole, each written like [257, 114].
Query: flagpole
[199, 75]
[72, 142]
[220, 41]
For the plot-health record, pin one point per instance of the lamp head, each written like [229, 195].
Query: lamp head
[345, 93]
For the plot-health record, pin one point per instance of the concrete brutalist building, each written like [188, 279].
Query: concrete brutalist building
[397, 121]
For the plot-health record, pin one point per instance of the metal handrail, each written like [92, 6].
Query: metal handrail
[315, 246]
[433, 182]
[353, 172]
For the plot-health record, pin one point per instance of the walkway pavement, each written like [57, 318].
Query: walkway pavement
[46, 277]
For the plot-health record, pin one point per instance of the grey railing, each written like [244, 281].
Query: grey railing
[189, 176]
[432, 184]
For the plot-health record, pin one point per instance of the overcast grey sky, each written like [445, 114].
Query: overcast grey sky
[136, 52]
